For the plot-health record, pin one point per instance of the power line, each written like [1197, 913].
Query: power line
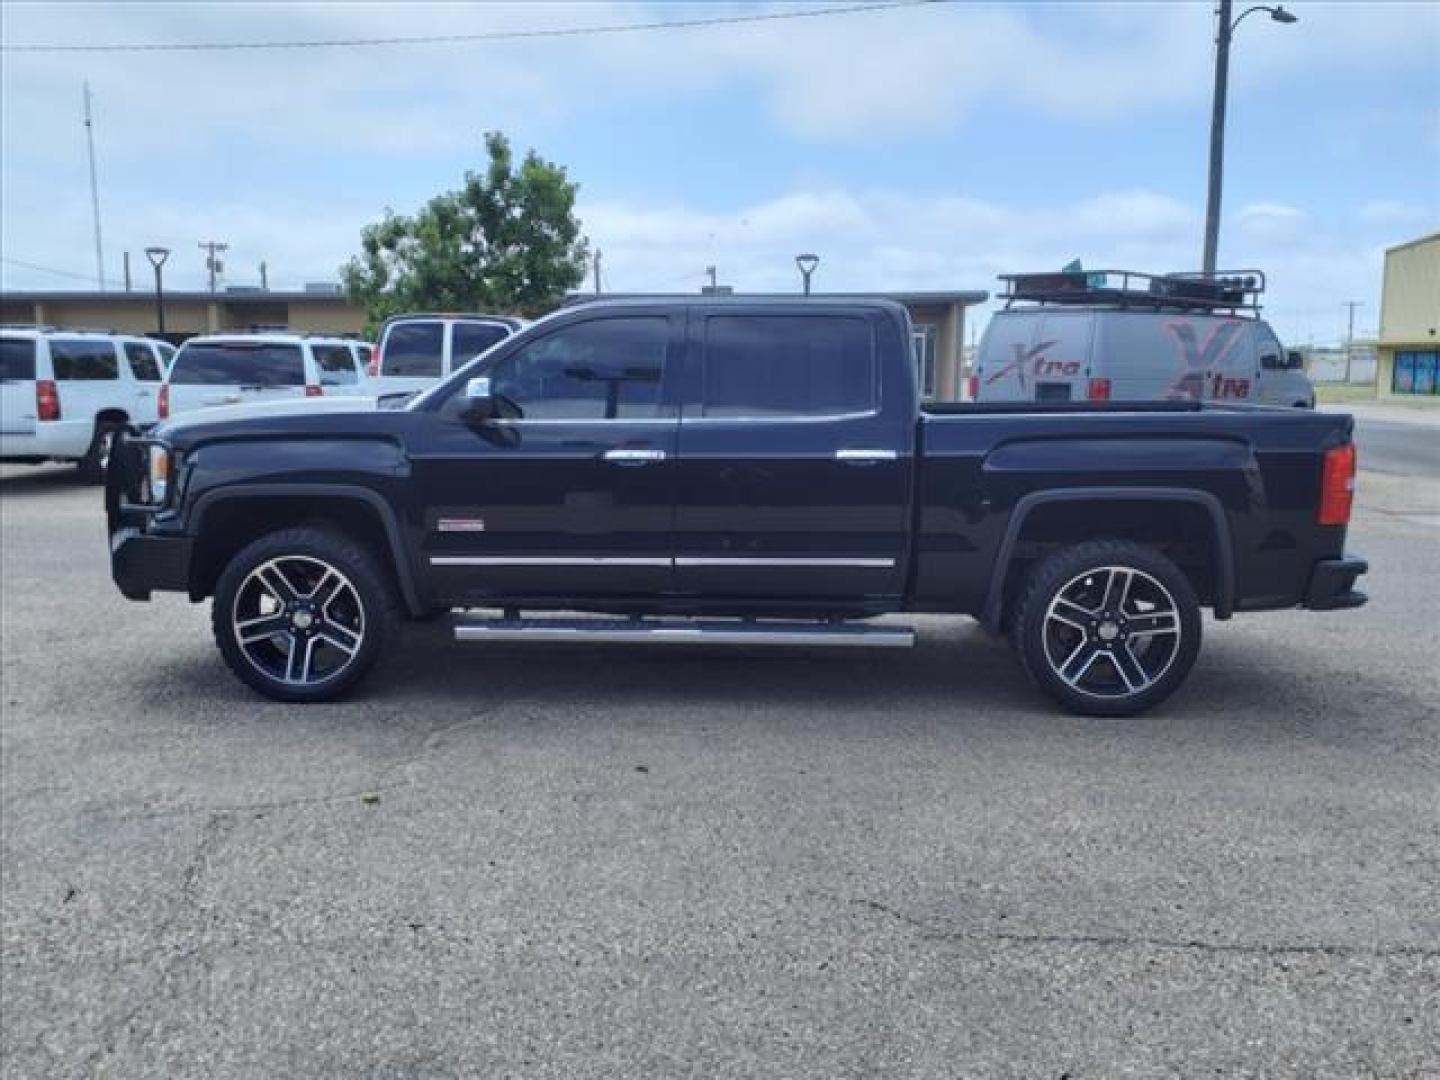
[456, 39]
[53, 270]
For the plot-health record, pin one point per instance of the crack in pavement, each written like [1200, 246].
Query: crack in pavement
[1118, 941]
[217, 827]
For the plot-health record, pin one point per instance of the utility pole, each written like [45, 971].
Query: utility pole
[1225, 31]
[213, 264]
[597, 271]
[94, 192]
[264, 277]
[1350, 336]
[1217, 137]
[127, 271]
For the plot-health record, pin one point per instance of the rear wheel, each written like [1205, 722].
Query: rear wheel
[1107, 628]
[97, 459]
[303, 614]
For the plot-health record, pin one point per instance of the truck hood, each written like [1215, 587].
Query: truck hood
[278, 407]
[348, 417]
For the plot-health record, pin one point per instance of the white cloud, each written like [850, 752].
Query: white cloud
[868, 77]
[1388, 212]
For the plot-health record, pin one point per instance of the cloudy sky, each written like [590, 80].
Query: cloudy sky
[927, 146]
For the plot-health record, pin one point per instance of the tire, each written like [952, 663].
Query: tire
[329, 603]
[1086, 650]
[93, 465]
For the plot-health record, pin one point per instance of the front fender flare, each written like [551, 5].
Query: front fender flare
[404, 570]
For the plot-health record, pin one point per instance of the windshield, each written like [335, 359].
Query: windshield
[238, 363]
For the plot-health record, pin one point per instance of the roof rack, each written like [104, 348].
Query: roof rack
[1234, 291]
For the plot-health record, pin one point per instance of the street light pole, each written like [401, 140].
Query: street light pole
[807, 265]
[1224, 32]
[157, 257]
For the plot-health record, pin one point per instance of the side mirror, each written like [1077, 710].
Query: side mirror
[481, 404]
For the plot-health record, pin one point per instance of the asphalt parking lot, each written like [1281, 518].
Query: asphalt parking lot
[540, 862]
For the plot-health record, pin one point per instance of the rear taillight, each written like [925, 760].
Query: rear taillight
[1098, 390]
[311, 390]
[1337, 486]
[974, 387]
[162, 403]
[373, 367]
[47, 400]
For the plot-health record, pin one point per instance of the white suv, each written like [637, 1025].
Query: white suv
[241, 369]
[64, 393]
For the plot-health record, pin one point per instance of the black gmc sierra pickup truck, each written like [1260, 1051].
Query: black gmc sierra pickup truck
[734, 471]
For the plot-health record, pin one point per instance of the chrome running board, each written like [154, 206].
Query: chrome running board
[683, 632]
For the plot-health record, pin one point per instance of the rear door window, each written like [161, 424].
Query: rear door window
[336, 364]
[413, 349]
[238, 364]
[143, 364]
[83, 361]
[469, 339]
[786, 365]
[17, 359]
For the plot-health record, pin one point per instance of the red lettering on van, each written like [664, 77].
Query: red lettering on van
[1022, 359]
[1198, 358]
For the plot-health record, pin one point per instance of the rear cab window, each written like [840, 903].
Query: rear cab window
[413, 349]
[79, 360]
[335, 365]
[143, 364]
[17, 359]
[788, 365]
[238, 363]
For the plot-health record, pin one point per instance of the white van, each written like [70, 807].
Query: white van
[416, 351]
[238, 369]
[64, 393]
[1122, 336]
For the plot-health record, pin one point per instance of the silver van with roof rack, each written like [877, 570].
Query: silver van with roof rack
[1119, 335]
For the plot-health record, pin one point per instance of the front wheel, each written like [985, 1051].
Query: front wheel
[302, 614]
[1107, 628]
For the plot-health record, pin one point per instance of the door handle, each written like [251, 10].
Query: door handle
[864, 457]
[626, 456]
[143, 393]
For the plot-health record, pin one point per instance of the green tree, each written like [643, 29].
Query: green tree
[508, 241]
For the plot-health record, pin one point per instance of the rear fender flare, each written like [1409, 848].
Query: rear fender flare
[1224, 547]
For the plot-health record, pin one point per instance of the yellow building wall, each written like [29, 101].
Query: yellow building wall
[337, 317]
[1409, 305]
[125, 316]
[1410, 302]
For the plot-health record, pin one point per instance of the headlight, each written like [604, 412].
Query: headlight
[158, 473]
